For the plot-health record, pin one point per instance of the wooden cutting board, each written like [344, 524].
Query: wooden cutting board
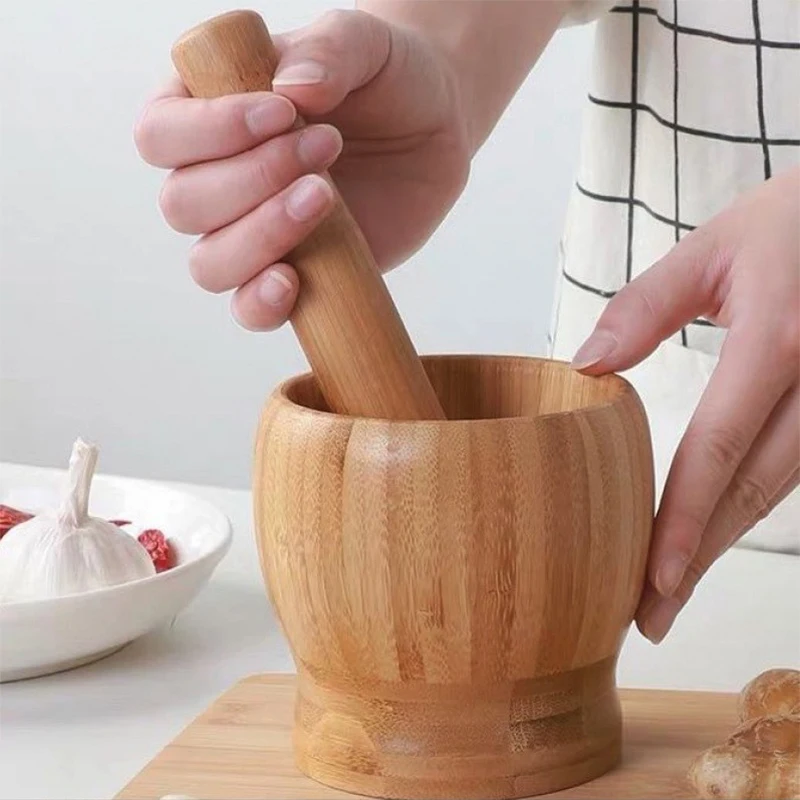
[240, 748]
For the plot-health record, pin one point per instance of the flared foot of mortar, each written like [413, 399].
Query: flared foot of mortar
[487, 742]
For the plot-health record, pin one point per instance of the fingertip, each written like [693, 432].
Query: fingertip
[330, 58]
[301, 73]
[200, 270]
[277, 286]
[144, 127]
[265, 302]
[318, 146]
[310, 99]
[669, 573]
[268, 114]
[309, 198]
[640, 625]
[594, 351]
[308, 85]
[177, 131]
[658, 622]
[676, 539]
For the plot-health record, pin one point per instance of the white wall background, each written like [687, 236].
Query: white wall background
[102, 333]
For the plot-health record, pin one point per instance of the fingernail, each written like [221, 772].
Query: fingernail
[661, 619]
[319, 145]
[599, 345]
[274, 288]
[270, 116]
[669, 575]
[309, 198]
[303, 73]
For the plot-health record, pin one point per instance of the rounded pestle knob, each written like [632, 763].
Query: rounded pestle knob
[344, 317]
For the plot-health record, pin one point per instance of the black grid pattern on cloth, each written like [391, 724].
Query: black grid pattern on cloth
[634, 120]
[675, 159]
[635, 107]
[720, 37]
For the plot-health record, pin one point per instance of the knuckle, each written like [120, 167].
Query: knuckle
[333, 31]
[749, 498]
[331, 45]
[338, 25]
[266, 173]
[688, 524]
[686, 536]
[650, 307]
[633, 302]
[276, 239]
[336, 18]
[358, 25]
[721, 448]
[704, 259]
[647, 306]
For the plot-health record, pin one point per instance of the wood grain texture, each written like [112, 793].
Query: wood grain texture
[344, 318]
[455, 593]
[240, 748]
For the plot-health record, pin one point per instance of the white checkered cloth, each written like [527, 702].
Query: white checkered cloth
[692, 102]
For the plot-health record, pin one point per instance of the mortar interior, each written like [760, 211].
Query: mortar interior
[482, 387]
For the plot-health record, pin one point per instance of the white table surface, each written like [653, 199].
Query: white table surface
[86, 733]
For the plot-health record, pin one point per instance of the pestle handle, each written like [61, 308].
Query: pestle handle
[344, 318]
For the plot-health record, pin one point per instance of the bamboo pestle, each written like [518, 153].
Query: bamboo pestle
[345, 319]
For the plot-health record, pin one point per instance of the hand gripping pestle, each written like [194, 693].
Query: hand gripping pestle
[345, 319]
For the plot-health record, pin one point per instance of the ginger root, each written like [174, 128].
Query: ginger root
[761, 758]
[776, 691]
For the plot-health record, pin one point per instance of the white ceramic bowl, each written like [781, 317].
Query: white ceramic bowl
[44, 636]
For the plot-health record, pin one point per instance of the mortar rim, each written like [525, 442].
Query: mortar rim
[624, 390]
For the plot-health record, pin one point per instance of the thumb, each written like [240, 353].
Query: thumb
[325, 61]
[674, 291]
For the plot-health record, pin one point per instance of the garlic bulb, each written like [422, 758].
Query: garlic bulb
[65, 551]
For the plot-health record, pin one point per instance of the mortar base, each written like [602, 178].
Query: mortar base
[481, 742]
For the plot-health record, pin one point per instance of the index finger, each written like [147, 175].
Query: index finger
[176, 130]
[748, 381]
